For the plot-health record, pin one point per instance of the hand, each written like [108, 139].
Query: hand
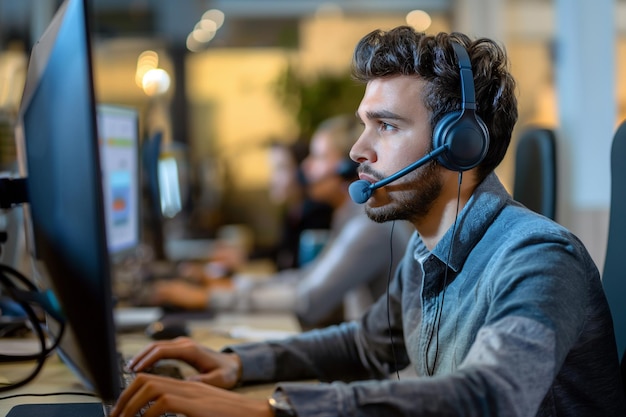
[185, 397]
[214, 368]
[202, 272]
[180, 294]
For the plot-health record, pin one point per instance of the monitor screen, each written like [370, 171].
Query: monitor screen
[169, 185]
[58, 152]
[118, 131]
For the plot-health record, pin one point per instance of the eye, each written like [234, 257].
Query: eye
[385, 127]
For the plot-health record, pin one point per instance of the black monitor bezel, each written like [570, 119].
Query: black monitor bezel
[83, 286]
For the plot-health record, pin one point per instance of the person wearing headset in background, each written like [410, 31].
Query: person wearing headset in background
[297, 213]
[287, 189]
[500, 311]
[345, 278]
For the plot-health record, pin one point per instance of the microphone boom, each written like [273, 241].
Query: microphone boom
[361, 190]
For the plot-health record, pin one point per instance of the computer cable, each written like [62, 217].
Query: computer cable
[438, 313]
[24, 299]
[45, 299]
[439, 307]
[49, 394]
[389, 274]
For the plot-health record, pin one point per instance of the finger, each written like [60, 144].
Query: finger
[174, 398]
[146, 352]
[169, 403]
[197, 399]
[133, 398]
[147, 390]
[167, 349]
[142, 354]
[175, 404]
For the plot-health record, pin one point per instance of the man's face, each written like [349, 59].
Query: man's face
[320, 168]
[397, 133]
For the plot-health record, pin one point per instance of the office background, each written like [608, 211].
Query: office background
[220, 87]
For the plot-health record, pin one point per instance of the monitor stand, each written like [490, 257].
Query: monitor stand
[58, 410]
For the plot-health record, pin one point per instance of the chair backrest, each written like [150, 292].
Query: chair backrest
[535, 171]
[614, 274]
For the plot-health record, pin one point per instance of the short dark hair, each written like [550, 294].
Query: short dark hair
[403, 51]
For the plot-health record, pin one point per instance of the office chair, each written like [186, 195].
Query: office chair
[614, 276]
[535, 171]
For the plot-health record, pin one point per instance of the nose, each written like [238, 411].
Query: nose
[362, 150]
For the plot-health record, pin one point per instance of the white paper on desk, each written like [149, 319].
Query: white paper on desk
[258, 335]
[128, 318]
[20, 346]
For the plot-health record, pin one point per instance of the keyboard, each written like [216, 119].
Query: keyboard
[127, 376]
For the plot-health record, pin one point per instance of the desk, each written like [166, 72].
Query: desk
[215, 333]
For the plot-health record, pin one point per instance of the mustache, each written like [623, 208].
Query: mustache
[368, 170]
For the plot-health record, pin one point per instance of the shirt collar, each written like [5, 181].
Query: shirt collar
[472, 222]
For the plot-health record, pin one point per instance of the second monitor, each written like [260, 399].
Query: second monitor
[118, 131]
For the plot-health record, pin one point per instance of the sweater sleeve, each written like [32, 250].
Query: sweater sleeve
[347, 352]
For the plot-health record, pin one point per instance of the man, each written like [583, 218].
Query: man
[499, 311]
[348, 275]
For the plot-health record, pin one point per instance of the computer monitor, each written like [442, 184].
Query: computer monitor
[169, 184]
[118, 130]
[58, 152]
[163, 188]
[152, 215]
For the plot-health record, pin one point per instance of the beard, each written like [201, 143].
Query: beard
[414, 200]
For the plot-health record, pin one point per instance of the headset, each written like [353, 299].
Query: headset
[460, 138]
[463, 133]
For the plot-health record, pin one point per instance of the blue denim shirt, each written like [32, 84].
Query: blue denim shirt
[517, 326]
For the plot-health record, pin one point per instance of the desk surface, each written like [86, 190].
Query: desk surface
[216, 333]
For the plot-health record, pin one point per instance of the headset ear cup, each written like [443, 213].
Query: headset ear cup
[466, 138]
[440, 133]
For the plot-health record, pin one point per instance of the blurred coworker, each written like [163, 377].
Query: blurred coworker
[351, 271]
[298, 212]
